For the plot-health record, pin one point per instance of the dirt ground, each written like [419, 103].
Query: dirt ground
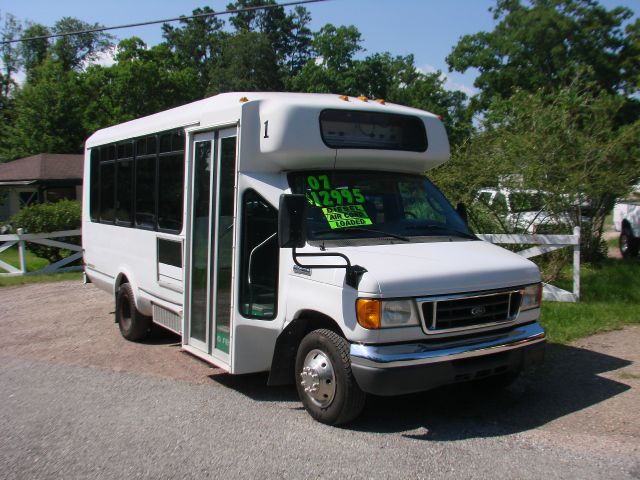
[72, 323]
[585, 397]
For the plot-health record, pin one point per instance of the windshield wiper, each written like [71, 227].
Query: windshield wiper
[435, 226]
[360, 229]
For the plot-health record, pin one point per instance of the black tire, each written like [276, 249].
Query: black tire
[334, 406]
[134, 326]
[628, 244]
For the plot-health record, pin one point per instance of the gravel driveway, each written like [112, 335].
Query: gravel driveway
[78, 401]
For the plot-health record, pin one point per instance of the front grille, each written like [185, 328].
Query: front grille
[468, 311]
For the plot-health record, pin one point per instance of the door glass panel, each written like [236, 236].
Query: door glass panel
[259, 258]
[225, 241]
[200, 237]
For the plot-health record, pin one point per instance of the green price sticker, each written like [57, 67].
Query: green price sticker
[339, 196]
[346, 216]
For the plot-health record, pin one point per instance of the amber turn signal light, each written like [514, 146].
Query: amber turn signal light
[368, 312]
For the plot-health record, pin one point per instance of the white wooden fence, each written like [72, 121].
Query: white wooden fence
[21, 239]
[545, 244]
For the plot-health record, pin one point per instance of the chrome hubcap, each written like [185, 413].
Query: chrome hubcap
[318, 379]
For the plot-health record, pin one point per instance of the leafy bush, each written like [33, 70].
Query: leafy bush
[49, 217]
[566, 144]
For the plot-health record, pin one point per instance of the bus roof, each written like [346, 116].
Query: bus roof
[295, 113]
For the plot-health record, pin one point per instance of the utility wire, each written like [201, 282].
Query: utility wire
[166, 20]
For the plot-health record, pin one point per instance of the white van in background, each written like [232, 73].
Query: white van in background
[626, 220]
[524, 211]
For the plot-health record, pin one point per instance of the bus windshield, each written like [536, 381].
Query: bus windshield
[368, 204]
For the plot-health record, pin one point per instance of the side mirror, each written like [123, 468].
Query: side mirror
[291, 221]
[461, 208]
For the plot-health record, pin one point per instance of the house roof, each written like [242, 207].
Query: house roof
[44, 166]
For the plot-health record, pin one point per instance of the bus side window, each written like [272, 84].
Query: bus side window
[145, 183]
[94, 183]
[107, 183]
[260, 257]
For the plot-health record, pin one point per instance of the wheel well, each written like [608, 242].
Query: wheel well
[284, 356]
[626, 224]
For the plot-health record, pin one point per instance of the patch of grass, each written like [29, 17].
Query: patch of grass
[12, 257]
[48, 277]
[34, 263]
[610, 295]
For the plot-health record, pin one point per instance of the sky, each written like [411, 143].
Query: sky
[428, 29]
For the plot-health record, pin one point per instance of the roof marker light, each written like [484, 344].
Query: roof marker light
[344, 98]
[380, 101]
[363, 98]
[244, 99]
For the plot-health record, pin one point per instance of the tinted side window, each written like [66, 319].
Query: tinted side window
[145, 192]
[94, 185]
[170, 188]
[124, 193]
[260, 258]
[107, 191]
[139, 182]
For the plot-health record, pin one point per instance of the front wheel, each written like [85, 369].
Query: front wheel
[324, 380]
[133, 325]
[628, 244]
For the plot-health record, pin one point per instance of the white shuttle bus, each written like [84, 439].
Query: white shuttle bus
[297, 234]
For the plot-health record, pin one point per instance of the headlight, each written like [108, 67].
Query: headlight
[399, 313]
[373, 313]
[531, 297]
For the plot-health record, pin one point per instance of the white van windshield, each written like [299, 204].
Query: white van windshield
[366, 204]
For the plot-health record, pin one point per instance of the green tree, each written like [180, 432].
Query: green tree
[548, 44]
[566, 144]
[10, 62]
[141, 82]
[334, 49]
[34, 52]
[9, 55]
[197, 44]
[48, 113]
[288, 34]
[74, 51]
[248, 64]
[299, 41]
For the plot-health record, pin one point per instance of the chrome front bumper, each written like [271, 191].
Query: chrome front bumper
[404, 368]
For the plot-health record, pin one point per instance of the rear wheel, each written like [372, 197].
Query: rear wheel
[324, 380]
[133, 325]
[628, 243]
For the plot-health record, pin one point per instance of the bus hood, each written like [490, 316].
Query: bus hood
[415, 269]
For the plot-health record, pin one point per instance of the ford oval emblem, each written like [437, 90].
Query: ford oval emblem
[477, 311]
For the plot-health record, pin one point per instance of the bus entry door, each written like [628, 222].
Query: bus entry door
[208, 298]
